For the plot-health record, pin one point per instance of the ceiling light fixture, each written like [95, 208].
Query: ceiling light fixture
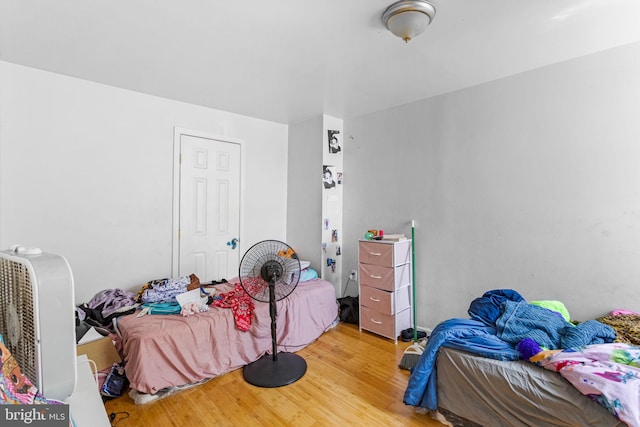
[408, 18]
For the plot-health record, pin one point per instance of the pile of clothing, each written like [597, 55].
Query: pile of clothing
[155, 297]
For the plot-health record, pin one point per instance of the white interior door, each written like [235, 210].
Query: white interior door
[209, 212]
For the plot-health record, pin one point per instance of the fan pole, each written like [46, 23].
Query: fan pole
[273, 313]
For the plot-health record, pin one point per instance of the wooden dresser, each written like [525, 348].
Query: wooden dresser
[385, 286]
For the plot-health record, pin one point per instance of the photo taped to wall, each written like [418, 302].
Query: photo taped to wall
[334, 141]
[328, 179]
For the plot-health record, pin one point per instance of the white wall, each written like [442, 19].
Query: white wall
[304, 201]
[86, 172]
[308, 202]
[531, 182]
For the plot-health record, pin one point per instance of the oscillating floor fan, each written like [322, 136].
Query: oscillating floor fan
[269, 272]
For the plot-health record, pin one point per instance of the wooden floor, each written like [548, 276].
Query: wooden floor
[352, 378]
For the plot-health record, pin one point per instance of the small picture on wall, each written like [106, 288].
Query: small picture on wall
[339, 177]
[331, 263]
[328, 179]
[334, 141]
[334, 235]
[325, 224]
[338, 251]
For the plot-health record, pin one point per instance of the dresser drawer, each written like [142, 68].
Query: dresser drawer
[374, 321]
[377, 277]
[376, 253]
[384, 301]
[384, 254]
[386, 278]
[380, 301]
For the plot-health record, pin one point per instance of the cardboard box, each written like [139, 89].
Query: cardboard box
[101, 351]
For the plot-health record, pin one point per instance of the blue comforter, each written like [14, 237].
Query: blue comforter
[520, 320]
[461, 334]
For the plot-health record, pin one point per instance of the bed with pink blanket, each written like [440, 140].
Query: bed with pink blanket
[165, 351]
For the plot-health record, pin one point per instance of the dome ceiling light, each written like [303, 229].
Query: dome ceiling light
[408, 18]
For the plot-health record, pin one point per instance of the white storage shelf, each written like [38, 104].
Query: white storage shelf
[85, 404]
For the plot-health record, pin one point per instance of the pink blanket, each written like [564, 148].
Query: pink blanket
[607, 373]
[171, 350]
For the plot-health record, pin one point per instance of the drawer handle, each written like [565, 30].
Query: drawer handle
[375, 277]
[375, 253]
[376, 322]
[374, 299]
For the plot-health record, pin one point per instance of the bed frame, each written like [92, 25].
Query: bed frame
[477, 391]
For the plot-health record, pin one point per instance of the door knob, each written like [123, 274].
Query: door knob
[233, 243]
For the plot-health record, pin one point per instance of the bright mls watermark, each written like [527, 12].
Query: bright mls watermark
[35, 415]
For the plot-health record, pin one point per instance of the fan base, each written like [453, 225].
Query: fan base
[266, 372]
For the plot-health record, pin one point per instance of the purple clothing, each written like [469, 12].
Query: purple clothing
[113, 300]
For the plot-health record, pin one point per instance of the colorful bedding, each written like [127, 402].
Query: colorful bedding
[15, 387]
[607, 373]
[163, 351]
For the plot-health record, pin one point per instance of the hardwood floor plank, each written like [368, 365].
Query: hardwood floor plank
[352, 378]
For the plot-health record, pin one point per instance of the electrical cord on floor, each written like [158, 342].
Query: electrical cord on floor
[114, 415]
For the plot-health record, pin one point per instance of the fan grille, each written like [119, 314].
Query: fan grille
[17, 322]
[273, 257]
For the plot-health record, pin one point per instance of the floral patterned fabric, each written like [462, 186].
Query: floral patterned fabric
[607, 373]
[15, 387]
[241, 304]
[163, 290]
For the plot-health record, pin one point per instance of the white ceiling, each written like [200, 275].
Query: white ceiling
[290, 60]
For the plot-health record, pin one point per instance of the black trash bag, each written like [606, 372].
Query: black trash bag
[348, 309]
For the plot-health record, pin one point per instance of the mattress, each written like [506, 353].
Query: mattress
[474, 390]
[163, 351]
